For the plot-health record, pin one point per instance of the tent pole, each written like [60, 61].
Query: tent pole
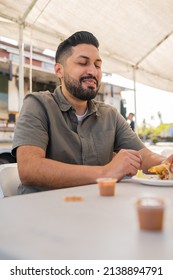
[21, 66]
[134, 88]
[30, 66]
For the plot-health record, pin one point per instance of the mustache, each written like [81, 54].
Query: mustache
[89, 77]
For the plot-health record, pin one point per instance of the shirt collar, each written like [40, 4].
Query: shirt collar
[65, 105]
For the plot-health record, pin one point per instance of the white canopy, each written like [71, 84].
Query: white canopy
[133, 34]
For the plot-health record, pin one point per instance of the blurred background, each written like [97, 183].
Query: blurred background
[135, 38]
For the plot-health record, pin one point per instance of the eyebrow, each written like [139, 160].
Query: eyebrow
[86, 57]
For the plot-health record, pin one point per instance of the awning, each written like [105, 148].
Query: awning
[135, 36]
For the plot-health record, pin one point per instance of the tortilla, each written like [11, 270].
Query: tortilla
[163, 171]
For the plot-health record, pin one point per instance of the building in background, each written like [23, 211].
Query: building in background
[43, 78]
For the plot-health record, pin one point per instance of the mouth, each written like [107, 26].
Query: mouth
[89, 82]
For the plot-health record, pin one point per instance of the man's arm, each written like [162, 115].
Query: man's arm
[35, 169]
[150, 159]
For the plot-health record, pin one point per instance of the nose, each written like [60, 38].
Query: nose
[92, 70]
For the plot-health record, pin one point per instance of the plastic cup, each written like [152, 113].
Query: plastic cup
[107, 186]
[150, 211]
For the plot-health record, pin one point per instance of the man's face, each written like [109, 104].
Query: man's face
[82, 72]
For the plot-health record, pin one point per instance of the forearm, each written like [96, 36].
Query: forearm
[55, 175]
[150, 159]
[35, 169]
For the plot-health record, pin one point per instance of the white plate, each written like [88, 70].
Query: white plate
[153, 180]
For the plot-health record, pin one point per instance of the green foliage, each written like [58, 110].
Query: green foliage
[156, 134]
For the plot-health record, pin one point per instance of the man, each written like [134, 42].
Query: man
[130, 121]
[66, 138]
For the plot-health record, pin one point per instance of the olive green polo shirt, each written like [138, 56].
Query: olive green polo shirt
[48, 120]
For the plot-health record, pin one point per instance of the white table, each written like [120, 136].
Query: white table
[44, 226]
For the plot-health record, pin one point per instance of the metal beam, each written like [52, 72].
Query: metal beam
[154, 48]
[21, 66]
[26, 13]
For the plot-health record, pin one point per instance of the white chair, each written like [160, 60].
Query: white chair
[9, 179]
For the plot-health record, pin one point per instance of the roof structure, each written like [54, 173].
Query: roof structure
[136, 36]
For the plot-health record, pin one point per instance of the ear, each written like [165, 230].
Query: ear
[58, 70]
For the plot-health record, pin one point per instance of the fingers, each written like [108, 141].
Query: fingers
[170, 160]
[171, 167]
[133, 158]
[127, 162]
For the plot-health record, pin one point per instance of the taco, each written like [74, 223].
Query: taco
[163, 171]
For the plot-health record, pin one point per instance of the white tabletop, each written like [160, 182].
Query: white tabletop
[44, 226]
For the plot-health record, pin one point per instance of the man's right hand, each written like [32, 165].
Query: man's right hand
[126, 162]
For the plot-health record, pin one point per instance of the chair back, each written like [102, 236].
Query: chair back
[9, 180]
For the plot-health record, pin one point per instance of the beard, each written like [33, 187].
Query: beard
[75, 88]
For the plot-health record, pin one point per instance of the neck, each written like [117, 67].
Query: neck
[79, 105]
[80, 108]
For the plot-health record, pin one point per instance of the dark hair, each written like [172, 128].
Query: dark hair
[80, 37]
